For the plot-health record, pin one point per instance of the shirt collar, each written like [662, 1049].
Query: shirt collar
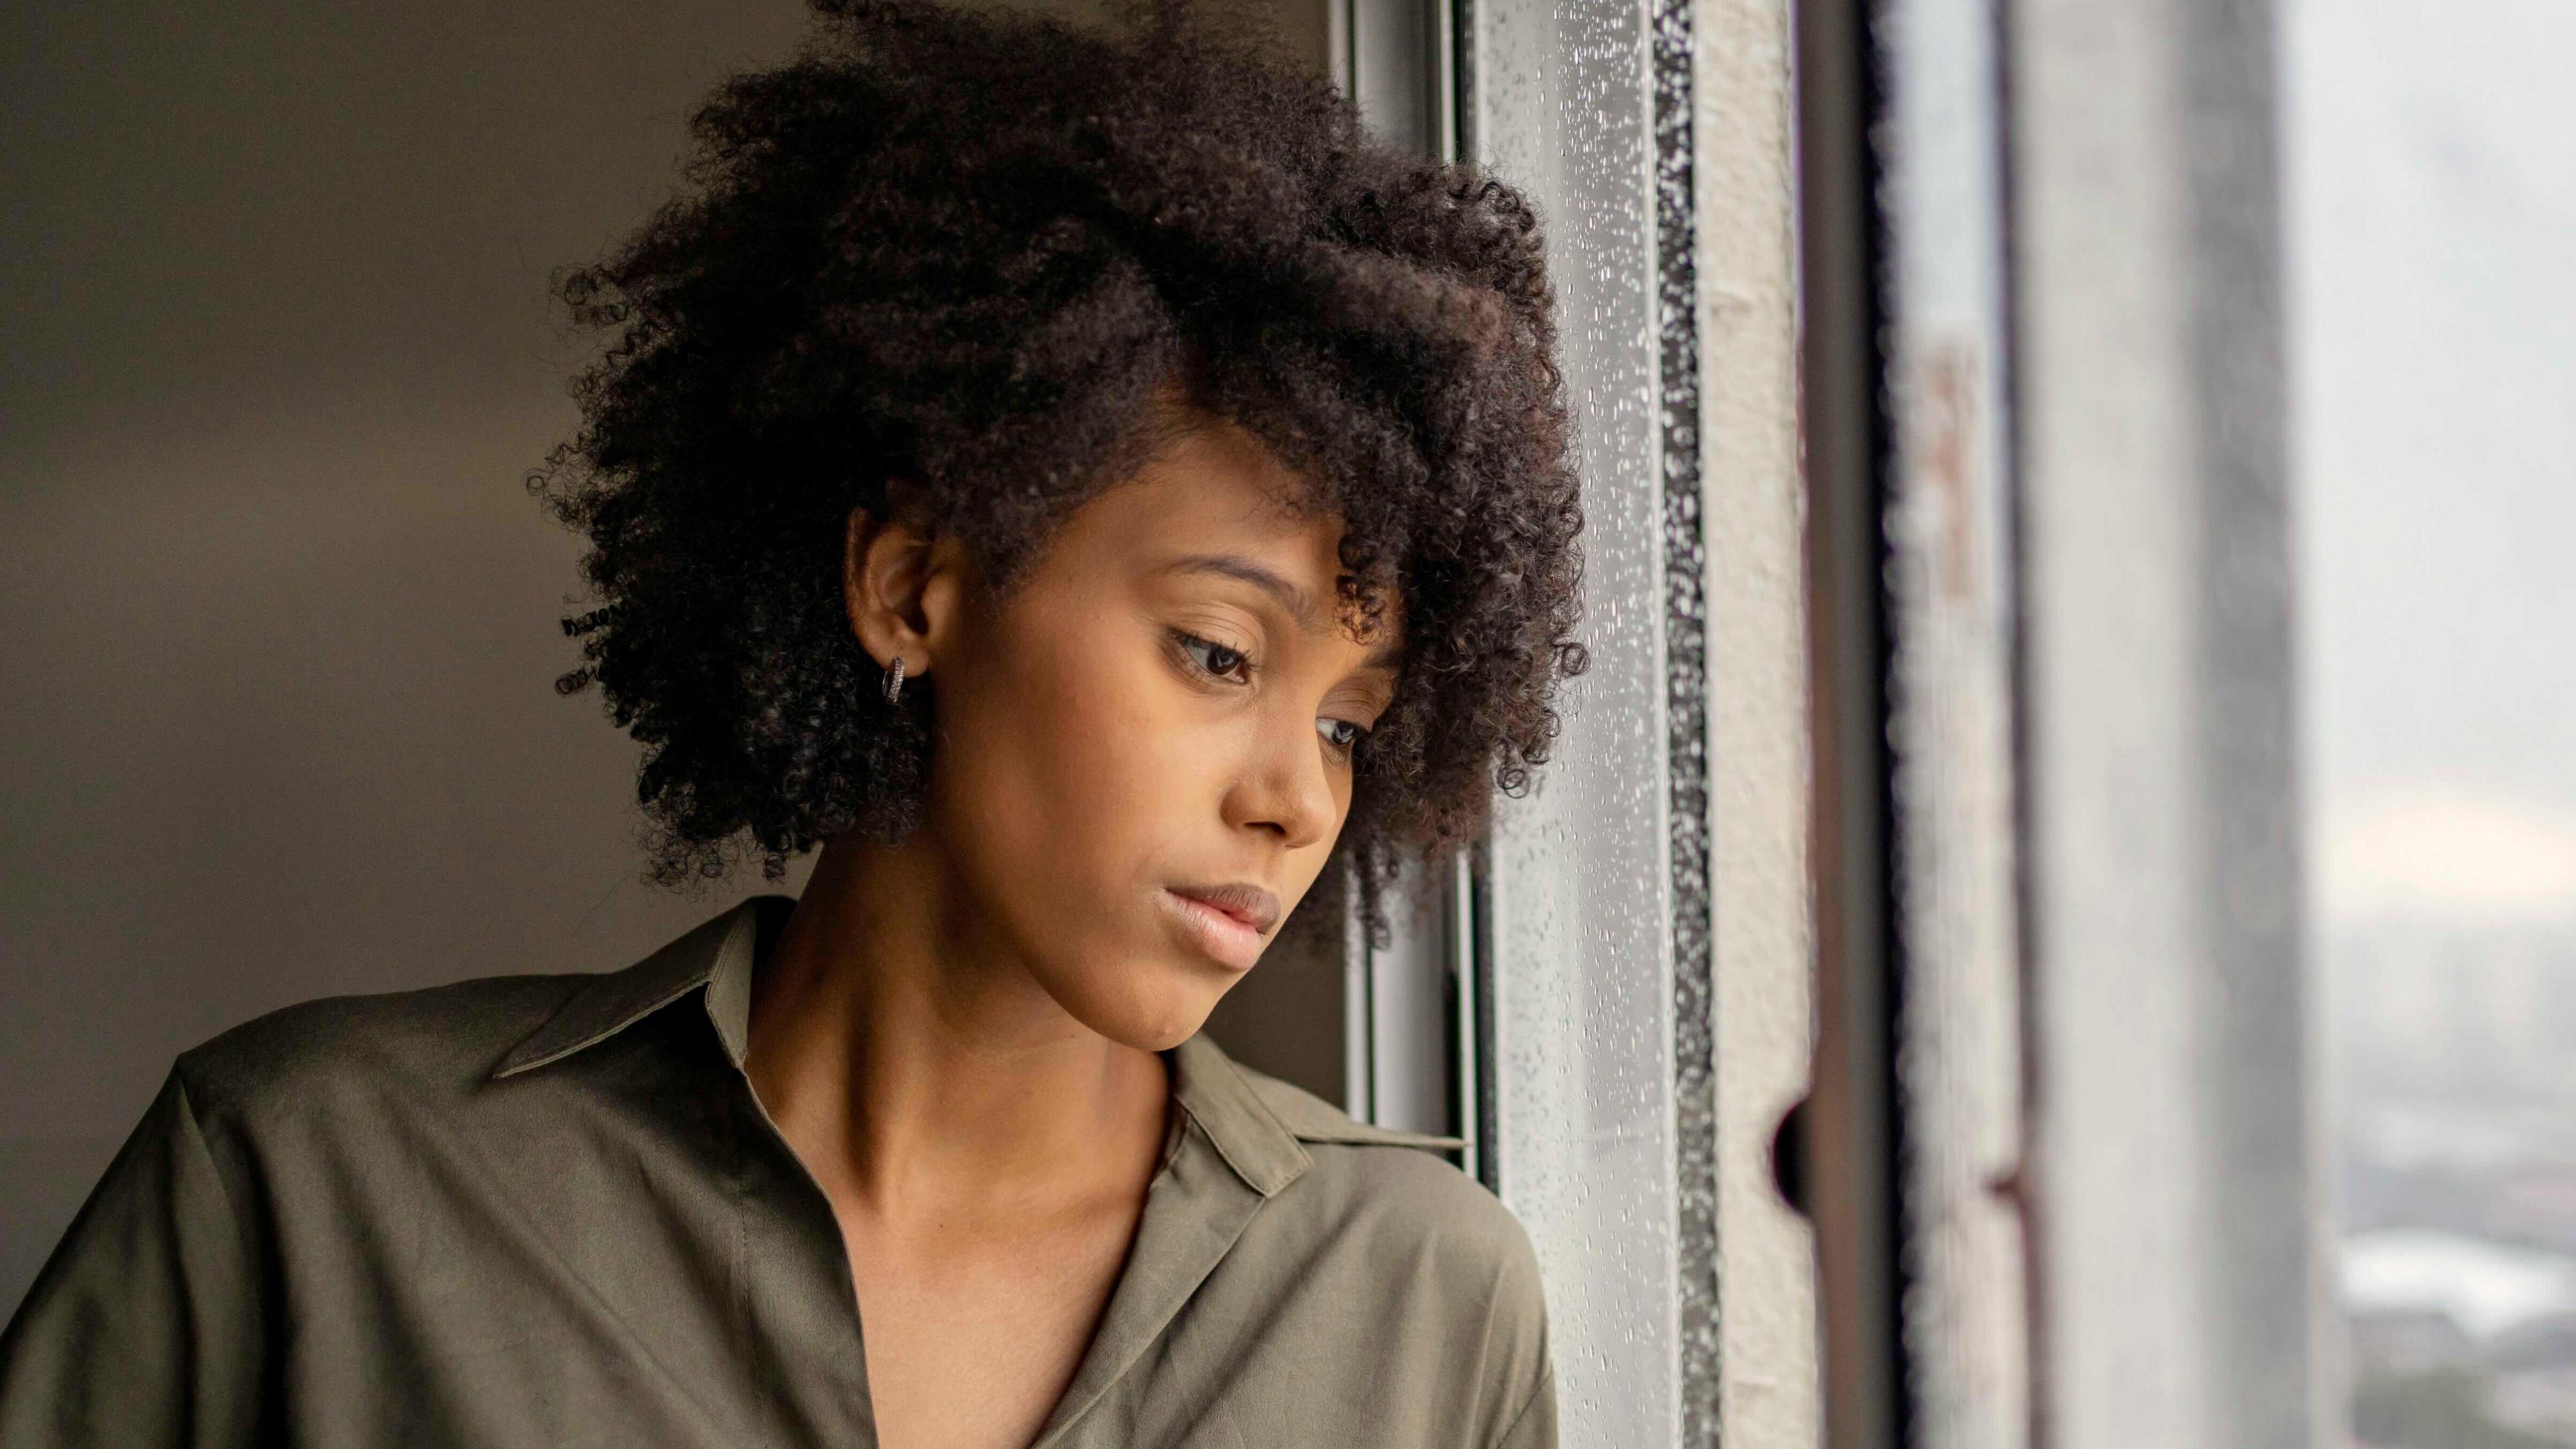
[608, 1004]
[721, 954]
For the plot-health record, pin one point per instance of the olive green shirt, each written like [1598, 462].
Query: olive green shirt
[549, 1210]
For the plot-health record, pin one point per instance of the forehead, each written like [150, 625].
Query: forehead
[1212, 488]
[1218, 477]
[1215, 492]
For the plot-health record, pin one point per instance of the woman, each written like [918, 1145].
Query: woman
[1084, 485]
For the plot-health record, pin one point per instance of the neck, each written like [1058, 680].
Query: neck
[917, 1065]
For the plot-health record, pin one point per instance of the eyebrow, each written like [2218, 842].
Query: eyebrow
[1296, 600]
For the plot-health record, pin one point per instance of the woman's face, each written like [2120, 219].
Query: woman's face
[1144, 751]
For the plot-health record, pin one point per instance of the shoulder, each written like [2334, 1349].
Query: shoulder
[1405, 1191]
[325, 1056]
[1385, 1219]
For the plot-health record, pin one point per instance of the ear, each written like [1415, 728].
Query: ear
[901, 585]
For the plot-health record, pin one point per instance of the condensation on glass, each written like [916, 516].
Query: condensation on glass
[1604, 1135]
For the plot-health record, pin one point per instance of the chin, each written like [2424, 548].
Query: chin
[1167, 1011]
[1162, 1030]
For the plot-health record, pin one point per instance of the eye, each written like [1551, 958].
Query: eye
[1346, 740]
[1212, 658]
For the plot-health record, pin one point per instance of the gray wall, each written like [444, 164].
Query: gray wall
[275, 707]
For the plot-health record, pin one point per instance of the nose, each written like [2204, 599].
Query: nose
[1285, 784]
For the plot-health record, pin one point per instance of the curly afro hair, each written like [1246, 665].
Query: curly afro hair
[980, 250]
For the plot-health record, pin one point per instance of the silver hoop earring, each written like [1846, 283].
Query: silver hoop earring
[894, 682]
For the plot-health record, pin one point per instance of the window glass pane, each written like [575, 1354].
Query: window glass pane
[1601, 1081]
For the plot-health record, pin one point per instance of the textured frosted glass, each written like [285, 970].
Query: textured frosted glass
[1586, 1135]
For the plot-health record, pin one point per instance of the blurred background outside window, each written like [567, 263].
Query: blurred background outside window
[2432, 218]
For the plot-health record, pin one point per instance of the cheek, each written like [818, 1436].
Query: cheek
[1069, 767]
[1073, 784]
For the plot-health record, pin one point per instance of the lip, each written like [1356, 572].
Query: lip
[1229, 922]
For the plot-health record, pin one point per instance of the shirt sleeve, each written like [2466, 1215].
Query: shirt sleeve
[1527, 1401]
[143, 1328]
[1535, 1425]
